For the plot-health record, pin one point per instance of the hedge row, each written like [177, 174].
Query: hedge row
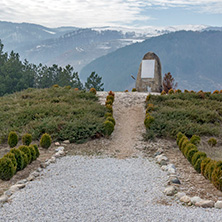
[109, 123]
[148, 118]
[17, 159]
[209, 168]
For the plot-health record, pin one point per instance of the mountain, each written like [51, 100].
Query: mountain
[193, 58]
[72, 45]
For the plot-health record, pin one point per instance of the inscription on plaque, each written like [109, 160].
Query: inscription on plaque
[148, 68]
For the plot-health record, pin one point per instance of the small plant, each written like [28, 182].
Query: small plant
[196, 156]
[109, 108]
[178, 91]
[25, 150]
[134, 90]
[217, 175]
[220, 91]
[55, 86]
[126, 90]
[109, 102]
[108, 114]
[212, 142]
[186, 91]
[171, 91]
[188, 147]
[190, 154]
[93, 90]
[216, 92]
[7, 169]
[111, 119]
[179, 136]
[26, 139]
[36, 150]
[197, 165]
[148, 121]
[110, 97]
[68, 87]
[108, 127]
[12, 139]
[204, 164]
[76, 89]
[209, 168]
[11, 156]
[181, 141]
[148, 98]
[195, 140]
[19, 158]
[184, 144]
[150, 107]
[163, 93]
[33, 153]
[45, 141]
[111, 93]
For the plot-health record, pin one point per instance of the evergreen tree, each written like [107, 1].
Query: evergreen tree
[94, 81]
[168, 82]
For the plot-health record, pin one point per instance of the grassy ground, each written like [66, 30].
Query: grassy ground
[189, 113]
[63, 113]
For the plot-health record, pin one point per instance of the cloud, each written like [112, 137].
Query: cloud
[89, 13]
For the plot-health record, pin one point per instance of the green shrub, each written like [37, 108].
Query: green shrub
[150, 108]
[148, 121]
[108, 127]
[12, 139]
[197, 165]
[195, 140]
[184, 144]
[45, 141]
[110, 97]
[109, 109]
[7, 169]
[204, 164]
[217, 175]
[188, 147]
[33, 153]
[148, 98]
[179, 136]
[209, 168]
[196, 156]
[26, 160]
[190, 154]
[19, 158]
[134, 90]
[181, 141]
[11, 156]
[93, 90]
[171, 91]
[178, 91]
[212, 142]
[26, 139]
[108, 114]
[111, 119]
[36, 150]
[163, 93]
[109, 102]
[25, 149]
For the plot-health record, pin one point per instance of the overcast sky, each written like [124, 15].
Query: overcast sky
[91, 13]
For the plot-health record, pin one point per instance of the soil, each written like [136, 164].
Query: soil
[127, 142]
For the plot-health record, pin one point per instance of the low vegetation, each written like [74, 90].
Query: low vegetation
[62, 112]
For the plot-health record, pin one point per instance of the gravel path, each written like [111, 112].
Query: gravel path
[94, 189]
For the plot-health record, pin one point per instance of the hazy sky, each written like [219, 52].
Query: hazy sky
[90, 13]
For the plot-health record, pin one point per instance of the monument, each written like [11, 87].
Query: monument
[149, 78]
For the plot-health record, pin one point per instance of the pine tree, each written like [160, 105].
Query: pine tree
[94, 81]
[168, 82]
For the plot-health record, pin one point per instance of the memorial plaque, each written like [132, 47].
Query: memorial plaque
[148, 68]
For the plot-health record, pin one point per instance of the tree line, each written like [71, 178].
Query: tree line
[16, 75]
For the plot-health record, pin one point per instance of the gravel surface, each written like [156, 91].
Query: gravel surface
[80, 188]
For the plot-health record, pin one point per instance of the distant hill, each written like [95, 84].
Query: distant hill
[193, 58]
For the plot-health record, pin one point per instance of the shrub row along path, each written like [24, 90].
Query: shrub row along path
[105, 188]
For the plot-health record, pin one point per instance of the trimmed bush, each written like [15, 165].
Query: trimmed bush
[36, 150]
[212, 142]
[204, 164]
[171, 91]
[33, 153]
[163, 93]
[197, 165]
[178, 91]
[108, 127]
[19, 158]
[109, 102]
[186, 91]
[109, 108]
[11, 156]
[110, 97]
[181, 141]
[134, 90]
[126, 90]
[189, 147]
[216, 92]
[111, 93]
[195, 140]
[150, 108]
[148, 121]
[217, 175]
[26, 160]
[26, 139]
[179, 136]
[45, 141]
[111, 119]
[7, 169]
[184, 144]
[108, 114]
[209, 168]
[12, 139]
[190, 154]
[25, 149]
[196, 156]
[93, 90]
[148, 98]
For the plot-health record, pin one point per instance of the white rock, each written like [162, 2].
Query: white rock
[171, 171]
[170, 191]
[185, 199]
[195, 199]
[57, 144]
[171, 166]
[161, 158]
[60, 148]
[180, 194]
[53, 159]
[3, 199]
[30, 178]
[22, 181]
[66, 141]
[205, 204]
[218, 204]
[35, 174]
[39, 169]
[164, 168]
[14, 188]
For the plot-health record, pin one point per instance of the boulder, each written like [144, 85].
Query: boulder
[170, 191]
[3, 199]
[218, 204]
[195, 200]
[205, 204]
[180, 194]
[185, 199]
[60, 148]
